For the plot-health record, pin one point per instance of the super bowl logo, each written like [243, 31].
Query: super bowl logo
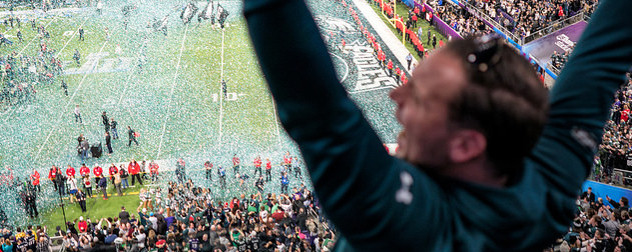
[333, 24]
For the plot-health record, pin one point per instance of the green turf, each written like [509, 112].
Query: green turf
[402, 11]
[96, 207]
[175, 101]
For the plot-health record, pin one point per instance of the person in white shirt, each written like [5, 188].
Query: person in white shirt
[77, 114]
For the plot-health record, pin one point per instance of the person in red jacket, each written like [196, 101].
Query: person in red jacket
[134, 169]
[84, 170]
[287, 161]
[389, 66]
[82, 225]
[52, 173]
[112, 170]
[70, 172]
[97, 171]
[268, 169]
[35, 180]
[236, 164]
[153, 171]
[257, 164]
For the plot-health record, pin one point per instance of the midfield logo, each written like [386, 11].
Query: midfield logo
[371, 75]
[332, 24]
[99, 63]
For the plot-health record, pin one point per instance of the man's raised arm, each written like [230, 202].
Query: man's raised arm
[355, 179]
[583, 94]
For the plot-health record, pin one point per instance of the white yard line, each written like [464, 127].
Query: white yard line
[13, 109]
[96, 63]
[131, 73]
[221, 91]
[276, 121]
[71, 37]
[344, 77]
[173, 88]
[34, 37]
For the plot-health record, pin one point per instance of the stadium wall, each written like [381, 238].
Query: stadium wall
[602, 190]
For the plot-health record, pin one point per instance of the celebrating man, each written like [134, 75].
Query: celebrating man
[485, 162]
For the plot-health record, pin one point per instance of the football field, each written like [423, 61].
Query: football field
[168, 88]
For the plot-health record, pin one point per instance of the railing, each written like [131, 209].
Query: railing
[491, 22]
[554, 69]
[557, 25]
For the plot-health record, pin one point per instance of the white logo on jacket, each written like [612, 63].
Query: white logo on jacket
[403, 195]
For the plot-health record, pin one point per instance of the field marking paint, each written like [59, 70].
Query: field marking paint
[173, 88]
[96, 63]
[34, 37]
[221, 90]
[344, 77]
[276, 121]
[131, 73]
[73, 36]
[13, 109]
[372, 89]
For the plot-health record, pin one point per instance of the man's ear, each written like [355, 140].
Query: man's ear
[466, 145]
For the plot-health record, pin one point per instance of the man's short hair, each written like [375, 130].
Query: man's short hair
[504, 100]
[624, 200]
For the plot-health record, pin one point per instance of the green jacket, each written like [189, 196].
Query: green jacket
[356, 180]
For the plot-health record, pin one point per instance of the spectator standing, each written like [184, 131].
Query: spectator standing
[555, 162]
[85, 147]
[153, 171]
[113, 125]
[208, 168]
[87, 184]
[117, 183]
[236, 164]
[221, 172]
[124, 176]
[81, 34]
[52, 173]
[81, 199]
[123, 215]
[98, 172]
[268, 170]
[285, 182]
[103, 185]
[64, 86]
[257, 164]
[589, 195]
[106, 121]
[35, 180]
[132, 137]
[134, 169]
[77, 114]
[111, 171]
[181, 170]
[108, 143]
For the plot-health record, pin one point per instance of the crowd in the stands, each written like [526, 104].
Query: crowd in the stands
[616, 145]
[524, 17]
[601, 224]
[188, 217]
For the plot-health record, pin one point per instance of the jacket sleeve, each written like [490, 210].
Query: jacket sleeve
[353, 176]
[583, 95]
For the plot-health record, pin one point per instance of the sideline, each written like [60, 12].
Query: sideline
[392, 42]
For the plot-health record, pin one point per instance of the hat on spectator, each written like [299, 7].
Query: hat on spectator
[81, 218]
[160, 243]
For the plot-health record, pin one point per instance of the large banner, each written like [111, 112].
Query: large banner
[560, 41]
